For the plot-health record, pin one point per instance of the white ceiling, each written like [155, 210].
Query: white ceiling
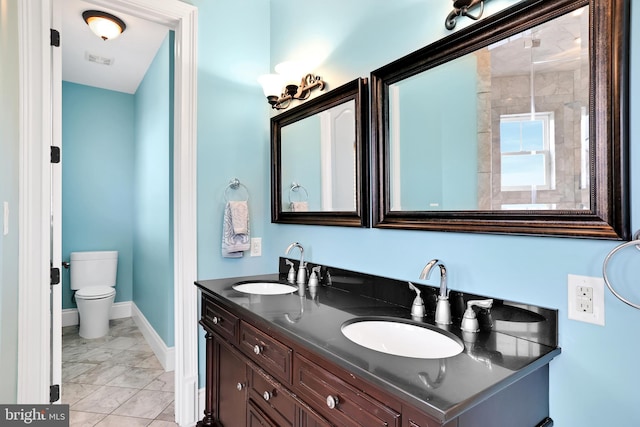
[130, 54]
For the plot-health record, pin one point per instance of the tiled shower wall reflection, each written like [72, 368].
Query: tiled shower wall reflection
[562, 92]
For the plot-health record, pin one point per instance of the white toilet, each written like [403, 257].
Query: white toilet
[93, 277]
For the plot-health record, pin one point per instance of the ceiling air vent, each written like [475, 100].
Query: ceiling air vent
[92, 57]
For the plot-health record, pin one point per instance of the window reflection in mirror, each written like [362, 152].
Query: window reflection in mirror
[319, 161]
[502, 128]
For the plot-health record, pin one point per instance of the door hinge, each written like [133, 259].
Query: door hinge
[55, 154]
[54, 393]
[55, 276]
[55, 37]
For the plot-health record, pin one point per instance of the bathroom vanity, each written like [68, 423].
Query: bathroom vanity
[282, 360]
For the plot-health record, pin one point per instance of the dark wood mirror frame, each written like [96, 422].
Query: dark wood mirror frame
[356, 90]
[608, 216]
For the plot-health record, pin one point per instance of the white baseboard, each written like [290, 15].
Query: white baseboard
[165, 355]
[201, 396]
[119, 310]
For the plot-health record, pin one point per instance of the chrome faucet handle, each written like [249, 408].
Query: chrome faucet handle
[469, 319]
[417, 308]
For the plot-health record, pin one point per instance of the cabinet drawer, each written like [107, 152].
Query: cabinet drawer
[411, 417]
[219, 320]
[267, 352]
[338, 400]
[272, 397]
[257, 418]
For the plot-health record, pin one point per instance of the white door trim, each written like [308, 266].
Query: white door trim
[35, 130]
[35, 126]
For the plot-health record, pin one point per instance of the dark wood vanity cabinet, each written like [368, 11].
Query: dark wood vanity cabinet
[256, 379]
[246, 369]
[257, 376]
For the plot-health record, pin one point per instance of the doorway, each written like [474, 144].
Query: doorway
[37, 125]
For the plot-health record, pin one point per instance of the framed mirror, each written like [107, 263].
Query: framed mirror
[319, 160]
[516, 124]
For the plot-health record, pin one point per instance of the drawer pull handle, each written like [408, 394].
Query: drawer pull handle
[332, 401]
[240, 386]
[267, 395]
[257, 349]
[217, 320]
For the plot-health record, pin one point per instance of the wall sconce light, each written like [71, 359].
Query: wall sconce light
[103, 24]
[461, 8]
[288, 76]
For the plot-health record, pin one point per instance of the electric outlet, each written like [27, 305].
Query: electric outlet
[586, 299]
[256, 246]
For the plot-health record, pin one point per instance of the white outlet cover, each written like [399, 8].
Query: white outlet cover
[256, 246]
[597, 284]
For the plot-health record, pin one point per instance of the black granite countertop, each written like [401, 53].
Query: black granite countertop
[443, 388]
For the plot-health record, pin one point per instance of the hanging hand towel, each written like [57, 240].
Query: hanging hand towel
[235, 229]
[299, 206]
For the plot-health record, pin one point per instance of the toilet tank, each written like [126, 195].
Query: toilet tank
[93, 269]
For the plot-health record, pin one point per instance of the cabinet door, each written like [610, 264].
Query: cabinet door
[231, 387]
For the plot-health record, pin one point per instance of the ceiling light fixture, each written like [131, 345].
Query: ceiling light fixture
[103, 24]
[288, 75]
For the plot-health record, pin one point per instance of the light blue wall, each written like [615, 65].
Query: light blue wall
[9, 160]
[233, 127]
[153, 226]
[233, 132]
[433, 136]
[97, 176]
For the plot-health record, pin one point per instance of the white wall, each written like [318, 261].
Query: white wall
[9, 143]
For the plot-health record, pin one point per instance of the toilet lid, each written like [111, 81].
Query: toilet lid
[95, 292]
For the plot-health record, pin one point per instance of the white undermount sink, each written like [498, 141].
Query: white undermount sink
[400, 338]
[264, 288]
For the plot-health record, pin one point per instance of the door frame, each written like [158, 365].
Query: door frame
[35, 190]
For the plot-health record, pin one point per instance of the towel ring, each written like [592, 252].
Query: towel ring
[235, 184]
[635, 242]
[295, 187]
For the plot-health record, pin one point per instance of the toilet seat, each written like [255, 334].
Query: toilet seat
[95, 292]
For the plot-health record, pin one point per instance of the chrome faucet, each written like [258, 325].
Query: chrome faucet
[443, 310]
[301, 277]
[469, 319]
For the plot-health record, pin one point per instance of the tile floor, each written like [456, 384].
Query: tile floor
[115, 380]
